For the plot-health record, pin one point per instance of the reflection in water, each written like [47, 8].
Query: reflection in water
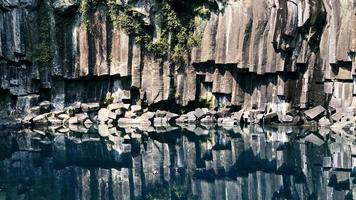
[252, 163]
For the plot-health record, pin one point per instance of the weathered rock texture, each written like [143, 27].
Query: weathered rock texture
[257, 54]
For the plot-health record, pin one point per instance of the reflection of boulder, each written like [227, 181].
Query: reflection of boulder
[89, 152]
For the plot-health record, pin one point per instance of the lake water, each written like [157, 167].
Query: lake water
[175, 163]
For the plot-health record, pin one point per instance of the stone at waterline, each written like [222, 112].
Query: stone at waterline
[337, 117]
[28, 119]
[104, 115]
[207, 120]
[82, 117]
[76, 106]
[63, 130]
[90, 107]
[135, 108]
[78, 128]
[160, 121]
[125, 121]
[113, 131]
[63, 116]
[199, 131]
[54, 121]
[55, 113]
[130, 114]
[88, 123]
[226, 121]
[45, 106]
[39, 132]
[103, 130]
[148, 115]
[200, 113]
[324, 122]
[36, 110]
[171, 116]
[315, 139]
[114, 106]
[285, 118]
[315, 112]
[40, 120]
[161, 113]
[73, 120]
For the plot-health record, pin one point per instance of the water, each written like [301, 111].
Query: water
[250, 163]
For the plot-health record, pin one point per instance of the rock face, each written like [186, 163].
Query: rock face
[264, 55]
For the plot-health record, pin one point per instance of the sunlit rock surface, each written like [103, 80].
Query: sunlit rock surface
[255, 54]
[248, 163]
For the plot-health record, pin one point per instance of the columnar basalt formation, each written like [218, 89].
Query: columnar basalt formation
[262, 55]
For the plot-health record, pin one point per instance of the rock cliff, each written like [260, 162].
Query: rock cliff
[262, 54]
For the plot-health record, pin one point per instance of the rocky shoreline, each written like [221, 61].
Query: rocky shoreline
[79, 117]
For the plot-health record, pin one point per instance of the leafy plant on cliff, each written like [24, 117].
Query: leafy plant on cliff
[42, 55]
[176, 23]
[207, 100]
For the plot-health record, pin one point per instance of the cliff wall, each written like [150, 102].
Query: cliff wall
[261, 54]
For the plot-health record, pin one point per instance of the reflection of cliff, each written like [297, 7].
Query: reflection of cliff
[253, 53]
[260, 165]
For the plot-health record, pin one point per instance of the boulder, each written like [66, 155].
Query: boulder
[324, 122]
[113, 131]
[315, 139]
[45, 106]
[90, 107]
[171, 115]
[130, 114]
[337, 116]
[200, 113]
[88, 123]
[103, 130]
[135, 108]
[76, 106]
[63, 116]
[82, 117]
[161, 113]
[40, 120]
[270, 117]
[226, 121]
[28, 119]
[207, 120]
[160, 121]
[125, 121]
[78, 128]
[119, 113]
[73, 120]
[148, 115]
[285, 118]
[199, 131]
[315, 112]
[182, 119]
[114, 106]
[104, 115]
[36, 110]
[54, 121]
[55, 113]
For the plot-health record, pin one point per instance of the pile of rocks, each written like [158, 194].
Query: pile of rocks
[125, 115]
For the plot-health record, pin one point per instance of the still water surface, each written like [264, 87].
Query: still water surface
[250, 163]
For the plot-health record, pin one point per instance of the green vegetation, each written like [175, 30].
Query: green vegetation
[176, 23]
[208, 100]
[42, 55]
